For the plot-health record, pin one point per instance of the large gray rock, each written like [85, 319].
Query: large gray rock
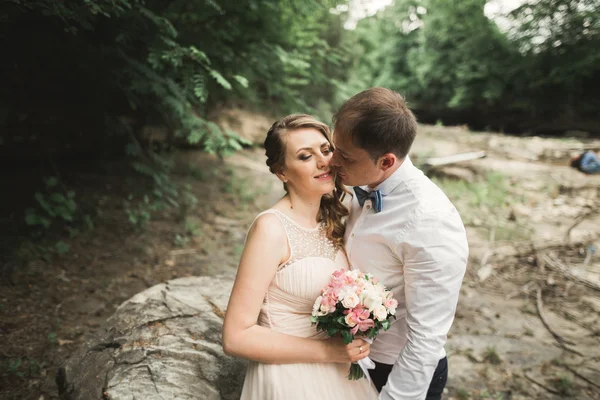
[163, 343]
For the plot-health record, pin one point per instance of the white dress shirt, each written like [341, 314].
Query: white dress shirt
[417, 247]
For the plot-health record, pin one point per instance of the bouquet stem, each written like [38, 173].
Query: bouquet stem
[355, 372]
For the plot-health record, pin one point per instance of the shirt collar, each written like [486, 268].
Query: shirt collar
[400, 175]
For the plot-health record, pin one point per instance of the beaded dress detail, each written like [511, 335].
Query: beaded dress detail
[287, 308]
[305, 242]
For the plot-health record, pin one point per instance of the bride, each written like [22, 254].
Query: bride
[290, 252]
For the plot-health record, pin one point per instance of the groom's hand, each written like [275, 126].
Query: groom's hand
[352, 352]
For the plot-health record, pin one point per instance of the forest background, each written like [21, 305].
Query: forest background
[91, 79]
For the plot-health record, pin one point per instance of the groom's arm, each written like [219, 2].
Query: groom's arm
[434, 252]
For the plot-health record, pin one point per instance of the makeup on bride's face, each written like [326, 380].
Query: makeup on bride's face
[308, 153]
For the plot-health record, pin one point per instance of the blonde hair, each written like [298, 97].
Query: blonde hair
[332, 210]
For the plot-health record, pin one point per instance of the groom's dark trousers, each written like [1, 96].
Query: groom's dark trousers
[379, 375]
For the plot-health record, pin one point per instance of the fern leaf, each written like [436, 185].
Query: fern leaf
[241, 80]
[220, 79]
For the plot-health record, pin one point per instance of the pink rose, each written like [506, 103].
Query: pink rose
[390, 303]
[358, 319]
[363, 325]
[328, 304]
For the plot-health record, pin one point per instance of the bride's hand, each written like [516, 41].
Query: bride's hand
[352, 352]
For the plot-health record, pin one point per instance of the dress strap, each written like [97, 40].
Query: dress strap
[303, 242]
[285, 221]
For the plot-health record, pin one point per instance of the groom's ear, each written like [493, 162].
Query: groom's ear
[387, 161]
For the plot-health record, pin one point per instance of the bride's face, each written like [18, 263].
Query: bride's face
[307, 157]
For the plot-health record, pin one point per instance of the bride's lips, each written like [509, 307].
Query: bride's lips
[324, 177]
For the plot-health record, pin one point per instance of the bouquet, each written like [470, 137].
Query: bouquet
[354, 304]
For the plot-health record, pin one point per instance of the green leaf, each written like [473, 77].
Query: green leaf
[332, 331]
[62, 247]
[241, 80]
[220, 79]
[51, 182]
[347, 336]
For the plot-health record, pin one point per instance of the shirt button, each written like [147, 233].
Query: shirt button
[368, 207]
[352, 235]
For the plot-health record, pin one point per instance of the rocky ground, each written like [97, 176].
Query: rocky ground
[527, 322]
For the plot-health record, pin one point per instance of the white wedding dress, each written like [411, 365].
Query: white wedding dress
[287, 308]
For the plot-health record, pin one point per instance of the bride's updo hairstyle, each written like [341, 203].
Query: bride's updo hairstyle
[332, 211]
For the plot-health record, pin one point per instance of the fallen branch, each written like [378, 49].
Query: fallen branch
[565, 271]
[578, 221]
[570, 350]
[522, 249]
[577, 374]
[541, 384]
[540, 305]
[454, 158]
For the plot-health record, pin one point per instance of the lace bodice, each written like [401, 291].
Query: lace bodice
[305, 242]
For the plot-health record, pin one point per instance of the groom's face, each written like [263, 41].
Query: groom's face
[353, 165]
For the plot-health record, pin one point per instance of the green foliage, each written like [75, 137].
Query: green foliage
[180, 240]
[452, 62]
[52, 206]
[102, 72]
[13, 367]
[240, 188]
[22, 368]
[563, 384]
[462, 394]
[52, 338]
[556, 39]
[140, 212]
[192, 228]
[491, 356]
[168, 62]
[56, 209]
[62, 247]
[490, 192]
[36, 367]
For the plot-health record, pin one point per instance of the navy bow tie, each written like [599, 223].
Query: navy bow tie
[375, 196]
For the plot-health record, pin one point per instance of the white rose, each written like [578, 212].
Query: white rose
[351, 300]
[345, 291]
[317, 306]
[354, 274]
[380, 313]
[351, 323]
[371, 299]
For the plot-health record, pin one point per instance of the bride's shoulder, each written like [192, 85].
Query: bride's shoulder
[268, 224]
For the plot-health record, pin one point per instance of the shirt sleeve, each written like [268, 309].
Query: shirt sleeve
[434, 252]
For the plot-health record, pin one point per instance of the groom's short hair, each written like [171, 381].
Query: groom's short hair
[379, 121]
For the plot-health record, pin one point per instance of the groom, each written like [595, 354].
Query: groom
[403, 229]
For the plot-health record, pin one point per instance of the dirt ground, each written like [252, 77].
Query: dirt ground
[527, 324]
